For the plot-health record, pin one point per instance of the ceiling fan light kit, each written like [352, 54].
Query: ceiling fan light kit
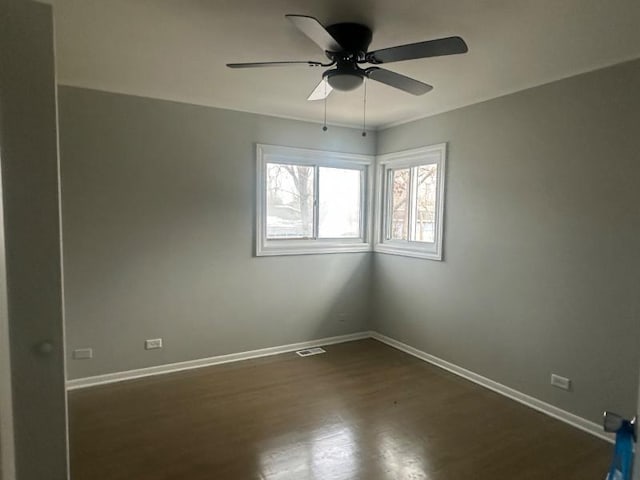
[344, 81]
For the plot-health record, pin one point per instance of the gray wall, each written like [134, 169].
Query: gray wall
[29, 156]
[542, 238]
[542, 223]
[158, 213]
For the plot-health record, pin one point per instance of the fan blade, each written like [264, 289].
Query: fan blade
[273, 64]
[396, 80]
[313, 29]
[322, 91]
[430, 48]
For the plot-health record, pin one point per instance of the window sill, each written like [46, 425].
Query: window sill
[277, 248]
[408, 252]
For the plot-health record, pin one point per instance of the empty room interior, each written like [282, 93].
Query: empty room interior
[324, 240]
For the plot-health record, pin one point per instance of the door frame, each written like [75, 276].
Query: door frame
[33, 410]
[7, 460]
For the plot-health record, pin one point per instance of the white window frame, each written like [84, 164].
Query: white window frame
[433, 154]
[302, 156]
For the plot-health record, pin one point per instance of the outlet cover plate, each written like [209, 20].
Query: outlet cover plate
[153, 343]
[83, 353]
[560, 382]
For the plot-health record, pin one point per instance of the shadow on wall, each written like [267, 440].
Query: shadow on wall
[328, 296]
[347, 308]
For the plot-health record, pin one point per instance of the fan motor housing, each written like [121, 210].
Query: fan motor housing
[353, 37]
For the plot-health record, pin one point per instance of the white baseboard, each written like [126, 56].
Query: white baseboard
[546, 408]
[205, 362]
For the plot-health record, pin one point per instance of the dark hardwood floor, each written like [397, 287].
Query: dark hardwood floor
[362, 411]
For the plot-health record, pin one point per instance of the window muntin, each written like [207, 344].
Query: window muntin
[312, 201]
[411, 201]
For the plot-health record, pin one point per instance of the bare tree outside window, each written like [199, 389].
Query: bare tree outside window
[413, 189]
[400, 204]
[289, 201]
[425, 218]
[412, 202]
[312, 201]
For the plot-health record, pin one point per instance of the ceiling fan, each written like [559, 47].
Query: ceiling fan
[346, 44]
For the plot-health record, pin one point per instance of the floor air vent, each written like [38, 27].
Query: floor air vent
[310, 351]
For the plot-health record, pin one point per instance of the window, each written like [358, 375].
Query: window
[411, 202]
[311, 201]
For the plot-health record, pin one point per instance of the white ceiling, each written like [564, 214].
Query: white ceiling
[177, 50]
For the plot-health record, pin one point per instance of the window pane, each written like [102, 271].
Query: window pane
[399, 204]
[340, 209]
[425, 218]
[289, 201]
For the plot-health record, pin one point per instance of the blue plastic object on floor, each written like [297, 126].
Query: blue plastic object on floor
[626, 435]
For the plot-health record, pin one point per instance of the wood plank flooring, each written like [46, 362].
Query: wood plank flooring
[362, 411]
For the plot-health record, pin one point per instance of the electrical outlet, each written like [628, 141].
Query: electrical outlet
[560, 382]
[153, 343]
[82, 353]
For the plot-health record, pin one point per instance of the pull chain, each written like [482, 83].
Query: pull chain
[324, 126]
[364, 110]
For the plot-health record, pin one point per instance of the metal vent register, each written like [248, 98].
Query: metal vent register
[310, 351]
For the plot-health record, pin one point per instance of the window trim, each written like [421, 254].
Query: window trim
[405, 159]
[300, 156]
